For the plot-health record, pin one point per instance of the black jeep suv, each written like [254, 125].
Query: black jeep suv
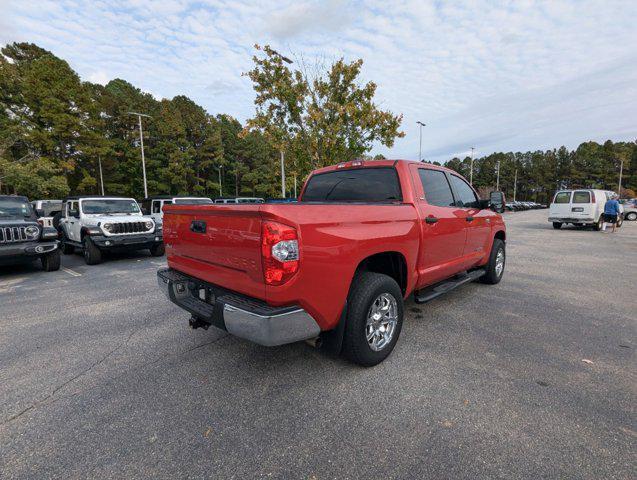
[22, 238]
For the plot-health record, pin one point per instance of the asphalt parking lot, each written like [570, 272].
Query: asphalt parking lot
[533, 378]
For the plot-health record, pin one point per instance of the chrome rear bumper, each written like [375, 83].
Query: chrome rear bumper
[241, 316]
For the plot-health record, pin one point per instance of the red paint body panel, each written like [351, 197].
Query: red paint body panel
[333, 240]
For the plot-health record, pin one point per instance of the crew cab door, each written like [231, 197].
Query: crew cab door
[72, 221]
[477, 221]
[156, 210]
[442, 226]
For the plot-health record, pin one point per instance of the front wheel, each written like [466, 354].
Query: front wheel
[157, 250]
[51, 261]
[557, 225]
[92, 254]
[374, 318]
[64, 245]
[497, 261]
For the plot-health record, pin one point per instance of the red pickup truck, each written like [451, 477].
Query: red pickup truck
[334, 267]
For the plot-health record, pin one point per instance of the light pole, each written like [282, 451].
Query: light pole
[99, 161]
[220, 184]
[295, 185]
[141, 141]
[497, 182]
[420, 141]
[515, 184]
[288, 61]
[282, 174]
[471, 170]
[621, 171]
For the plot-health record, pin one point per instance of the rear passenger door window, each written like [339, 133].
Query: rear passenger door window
[436, 188]
[465, 196]
[581, 197]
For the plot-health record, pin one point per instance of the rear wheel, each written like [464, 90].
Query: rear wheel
[51, 261]
[600, 223]
[92, 254]
[497, 261]
[157, 250]
[557, 225]
[374, 318]
[632, 216]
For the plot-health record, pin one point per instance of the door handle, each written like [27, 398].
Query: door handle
[198, 226]
[431, 220]
[469, 219]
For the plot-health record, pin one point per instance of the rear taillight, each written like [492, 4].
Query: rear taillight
[592, 194]
[280, 252]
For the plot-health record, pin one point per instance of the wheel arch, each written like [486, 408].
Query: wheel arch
[390, 263]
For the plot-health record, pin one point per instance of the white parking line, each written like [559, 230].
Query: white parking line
[71, 272]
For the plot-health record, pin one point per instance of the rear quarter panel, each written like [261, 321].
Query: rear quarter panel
[334, 239]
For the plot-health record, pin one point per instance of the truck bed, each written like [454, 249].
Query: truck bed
[338, 236]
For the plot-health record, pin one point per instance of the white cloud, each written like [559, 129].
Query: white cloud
[513, 76]
[100, 77]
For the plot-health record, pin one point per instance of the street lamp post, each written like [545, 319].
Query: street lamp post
[471, 168]
[141, 141]
[515, 184]
[288, 61]
[621, 171]
[497, 182]
[220, 180]
[420, 141]
[99, 161]
[282, 174]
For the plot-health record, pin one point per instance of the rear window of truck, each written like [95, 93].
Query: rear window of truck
[562, 197]
[581, 197]
[378, 185]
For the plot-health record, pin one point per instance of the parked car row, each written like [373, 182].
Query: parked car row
[518, 206]
[91, 224]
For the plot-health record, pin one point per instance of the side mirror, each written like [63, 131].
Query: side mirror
[496, 201]
[39, 212]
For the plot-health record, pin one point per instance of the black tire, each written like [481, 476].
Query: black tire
[157, 250]
[367, 287]
[600, 223]
[92, 254]
[492, 276]
[631, 216]
[65, 247]
[557, 225]
[56, 221]
[51, 261]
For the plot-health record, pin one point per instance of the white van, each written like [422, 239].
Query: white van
[583, 207]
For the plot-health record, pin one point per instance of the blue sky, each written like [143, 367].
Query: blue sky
[500, 76]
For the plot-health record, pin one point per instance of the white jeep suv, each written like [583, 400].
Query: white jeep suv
[95, 224]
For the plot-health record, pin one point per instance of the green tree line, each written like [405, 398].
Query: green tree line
[539, 174]
[56, 130]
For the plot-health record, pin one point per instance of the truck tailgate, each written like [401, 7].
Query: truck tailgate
[220, 244]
